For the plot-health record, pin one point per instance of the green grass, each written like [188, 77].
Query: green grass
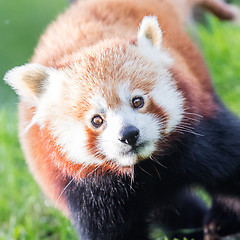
[24, 211]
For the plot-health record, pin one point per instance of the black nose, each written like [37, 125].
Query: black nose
[129, 135]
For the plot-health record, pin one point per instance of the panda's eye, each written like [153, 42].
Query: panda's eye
[137, 102]
[97, 121]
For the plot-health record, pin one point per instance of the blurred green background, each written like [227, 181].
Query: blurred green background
[24, 212]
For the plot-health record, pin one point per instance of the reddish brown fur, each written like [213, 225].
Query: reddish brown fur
[92, 143]
[85, 24]
[158, 112]
[41, 154]
[93, 73]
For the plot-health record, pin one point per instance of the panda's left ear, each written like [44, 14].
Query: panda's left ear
[149, 33]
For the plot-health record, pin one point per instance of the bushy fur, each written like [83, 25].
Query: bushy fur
[116, 122]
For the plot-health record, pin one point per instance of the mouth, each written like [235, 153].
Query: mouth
[136, 150]
[130, 155]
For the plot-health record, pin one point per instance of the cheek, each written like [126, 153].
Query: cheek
[108, 140]
[73, 141]
[150, 127]
[158, 114]
[167, 99]
[92, 143]
[111, 132]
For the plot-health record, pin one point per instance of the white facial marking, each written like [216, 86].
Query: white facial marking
[121, 153]
[167, 96]
[72, 140]
[123, 92]
[126, 95]
[98, 102]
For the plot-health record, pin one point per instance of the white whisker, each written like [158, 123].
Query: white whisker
[68, 185]
[156, 161]
[145, 171]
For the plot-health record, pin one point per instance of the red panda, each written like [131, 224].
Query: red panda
[117, 119]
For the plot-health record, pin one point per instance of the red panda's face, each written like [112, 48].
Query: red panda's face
[127, 132]
[116, 105]
[115, 102]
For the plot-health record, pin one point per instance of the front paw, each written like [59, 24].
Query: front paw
[222, 219]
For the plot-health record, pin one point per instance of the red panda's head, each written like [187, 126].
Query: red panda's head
[113, 103]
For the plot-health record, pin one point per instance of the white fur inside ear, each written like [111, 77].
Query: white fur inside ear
[28, 80]
[149, 33]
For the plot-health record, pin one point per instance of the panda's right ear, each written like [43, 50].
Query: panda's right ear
[29, 81]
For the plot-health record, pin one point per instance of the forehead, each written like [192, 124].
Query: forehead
[112, 74]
